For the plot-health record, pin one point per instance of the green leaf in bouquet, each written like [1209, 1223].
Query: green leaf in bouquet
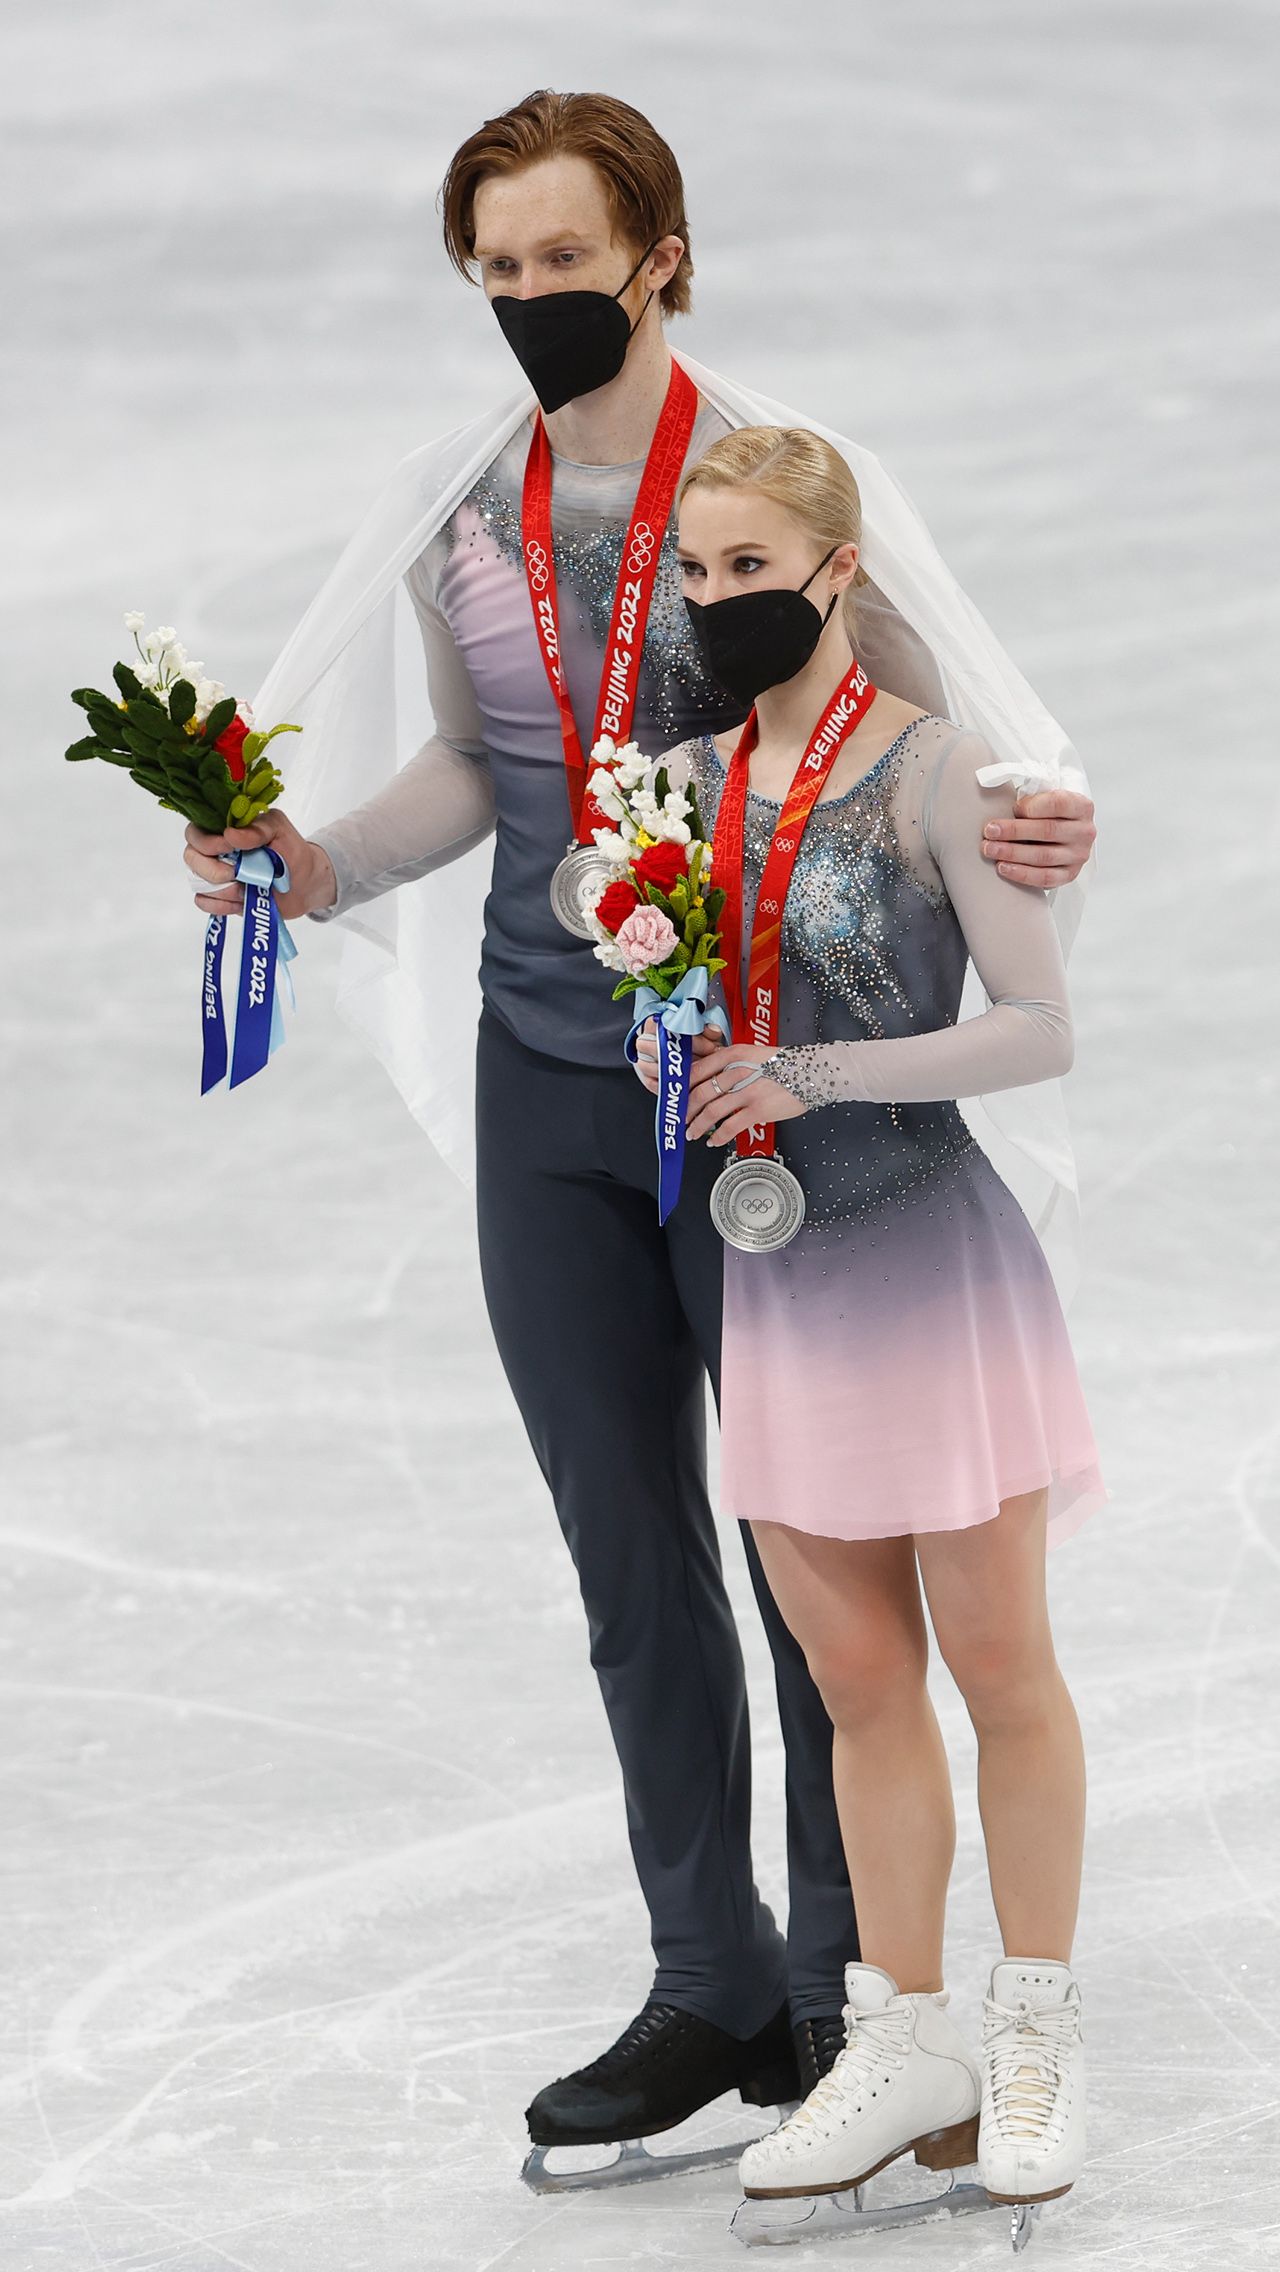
[253, 744]
[152, 781]
[715, 905]
[143, 743]
[625, 986]
[661, 783]
[79, 751]
[219, 718]
[659, 900]
[695, 923]
[238, 810]
[679, 900]
[85, 697]
[128, 681]
[716, 963]
[106, 720]
[262, 779]
[182, 701]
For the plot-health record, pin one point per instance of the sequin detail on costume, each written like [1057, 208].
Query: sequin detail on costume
[871, 949]
[588, 562]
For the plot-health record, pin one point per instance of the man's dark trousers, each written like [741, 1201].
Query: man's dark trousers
[606, 1327]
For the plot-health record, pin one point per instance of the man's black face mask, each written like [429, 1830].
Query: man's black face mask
[755, 640]
[568, 343]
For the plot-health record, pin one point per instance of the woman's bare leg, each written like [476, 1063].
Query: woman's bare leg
[855, 1608]
[986, 1593]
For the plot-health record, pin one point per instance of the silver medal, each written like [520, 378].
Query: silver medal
[582, 874]
[757, 1205]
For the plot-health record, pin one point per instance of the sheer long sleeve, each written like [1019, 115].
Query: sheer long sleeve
[440, 804]
[1026, 1034]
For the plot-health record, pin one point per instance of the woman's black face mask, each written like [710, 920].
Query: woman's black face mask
[568, 343]
[755, 640]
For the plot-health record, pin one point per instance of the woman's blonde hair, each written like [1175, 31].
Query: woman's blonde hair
[803, 474]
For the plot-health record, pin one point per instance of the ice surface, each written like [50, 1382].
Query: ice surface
[315, 1854]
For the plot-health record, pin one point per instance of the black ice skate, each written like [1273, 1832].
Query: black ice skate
[666, 2066]
[819, 2044]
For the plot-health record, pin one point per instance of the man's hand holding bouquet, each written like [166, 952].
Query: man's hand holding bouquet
[193, 746]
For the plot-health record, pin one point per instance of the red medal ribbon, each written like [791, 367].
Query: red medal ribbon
[754, 1009]
[615, 705]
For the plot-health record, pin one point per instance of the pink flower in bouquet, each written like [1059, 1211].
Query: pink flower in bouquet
[646, 938]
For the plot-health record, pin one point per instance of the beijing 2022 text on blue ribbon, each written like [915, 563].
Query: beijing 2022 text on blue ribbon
[266, 953]
[680, 1015]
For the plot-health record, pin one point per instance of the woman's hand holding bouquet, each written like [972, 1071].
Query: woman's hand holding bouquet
[654, 922]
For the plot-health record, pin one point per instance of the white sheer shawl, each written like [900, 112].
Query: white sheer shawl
[353, 675]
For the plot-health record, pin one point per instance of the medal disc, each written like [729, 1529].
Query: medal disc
[757, 1205]
[582, 874]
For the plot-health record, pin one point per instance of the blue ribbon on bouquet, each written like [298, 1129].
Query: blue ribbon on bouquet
[680, 1015]
[267, 949]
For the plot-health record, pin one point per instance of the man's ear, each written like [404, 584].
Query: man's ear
[664, 260]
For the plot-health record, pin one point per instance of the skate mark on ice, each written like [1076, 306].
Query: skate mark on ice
[59, 2180]
[420, 1869]
[187, 1707]
[53, 2149]
[160, 1575]
[1251, 1536]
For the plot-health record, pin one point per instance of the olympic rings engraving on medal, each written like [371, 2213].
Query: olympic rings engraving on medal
[757, 1204]
[582, 874]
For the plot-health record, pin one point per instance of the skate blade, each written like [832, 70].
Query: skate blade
[628, 2164]
[822, 2216]
[1022, 2223]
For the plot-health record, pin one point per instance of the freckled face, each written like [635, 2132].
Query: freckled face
[548, 228]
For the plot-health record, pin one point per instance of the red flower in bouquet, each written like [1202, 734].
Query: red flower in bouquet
[614, 905]
[662, 865]
[231, 746]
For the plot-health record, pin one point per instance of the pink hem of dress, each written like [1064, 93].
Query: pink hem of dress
[1073, 1498]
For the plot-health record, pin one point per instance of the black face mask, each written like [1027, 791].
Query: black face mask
[756, 640]
[568, 343]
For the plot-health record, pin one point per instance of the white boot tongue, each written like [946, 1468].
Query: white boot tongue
[868, 1988]
[1035, 1981]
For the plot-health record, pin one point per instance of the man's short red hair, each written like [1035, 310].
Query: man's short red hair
[638, 169]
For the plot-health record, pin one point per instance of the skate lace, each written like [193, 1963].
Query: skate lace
[1027, 2052]
[647, 2034]
[876, 2040]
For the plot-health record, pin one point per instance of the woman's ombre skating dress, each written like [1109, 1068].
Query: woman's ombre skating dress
[903, 1365]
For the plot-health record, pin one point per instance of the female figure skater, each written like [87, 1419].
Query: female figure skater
[900, 1407]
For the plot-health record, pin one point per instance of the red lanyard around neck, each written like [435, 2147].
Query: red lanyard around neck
[616, 702]
[754, 1008]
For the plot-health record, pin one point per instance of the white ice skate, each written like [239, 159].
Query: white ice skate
[904, 2084]
[1031, 2138]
